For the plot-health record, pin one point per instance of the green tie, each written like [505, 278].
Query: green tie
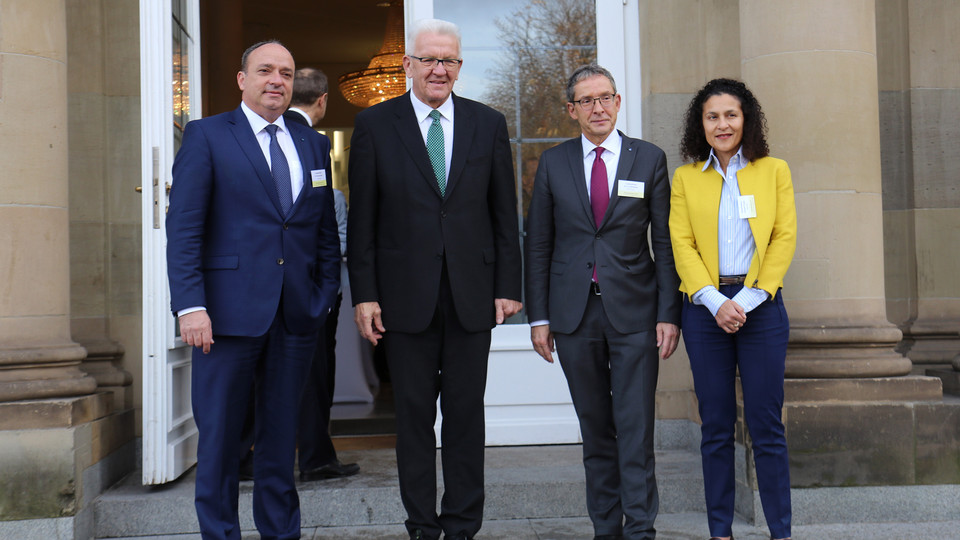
[435, 149]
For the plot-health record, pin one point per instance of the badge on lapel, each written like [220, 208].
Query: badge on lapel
[629, 188]
[318, 177]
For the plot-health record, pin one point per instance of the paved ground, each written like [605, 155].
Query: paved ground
[688, 526]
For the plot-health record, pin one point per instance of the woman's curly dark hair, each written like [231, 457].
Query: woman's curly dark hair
[694, 144]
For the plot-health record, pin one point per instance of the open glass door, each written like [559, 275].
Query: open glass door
[169, 80]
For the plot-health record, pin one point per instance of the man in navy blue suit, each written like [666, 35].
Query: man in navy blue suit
[253, 259]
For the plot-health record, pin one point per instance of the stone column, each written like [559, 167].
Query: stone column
[934, 92]
[104, 135]
[814, 69]
[37, 357]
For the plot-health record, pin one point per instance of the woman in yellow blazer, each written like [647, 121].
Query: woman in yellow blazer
[733, 226]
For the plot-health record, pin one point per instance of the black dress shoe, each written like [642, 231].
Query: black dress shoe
[458, 536]
[608, 537]
[334, 469]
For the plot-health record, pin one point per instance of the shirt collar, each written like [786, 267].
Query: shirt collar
[421, 110]
[611, 143]
[736, 162]
[302, 113]
[257, 122]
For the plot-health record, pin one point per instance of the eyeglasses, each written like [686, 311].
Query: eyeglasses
[430, 62]
[587, 103]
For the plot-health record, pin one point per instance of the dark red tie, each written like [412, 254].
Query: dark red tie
[599, 193]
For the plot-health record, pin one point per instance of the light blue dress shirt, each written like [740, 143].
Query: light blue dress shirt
[736, 240]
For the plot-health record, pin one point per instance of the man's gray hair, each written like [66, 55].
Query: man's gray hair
[308, 85]
[585, 72]
[432, 26]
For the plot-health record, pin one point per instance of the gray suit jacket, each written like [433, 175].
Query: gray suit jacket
[563, 243]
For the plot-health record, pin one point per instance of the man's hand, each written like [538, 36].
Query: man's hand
[196, 330]
[667, 337]
[730, 317]
[506, 308]
[542, 339]
[367, 317]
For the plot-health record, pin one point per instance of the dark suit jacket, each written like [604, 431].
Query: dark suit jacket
[294, 116]
[228, 246]
[400, 229]
[563, 242]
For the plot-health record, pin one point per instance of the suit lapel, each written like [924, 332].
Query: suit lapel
[628, 156]
[575, 156]
[463, 131]
[301, 145]
[409, 131]
[251, 148]
[749, 183]
[707, 191]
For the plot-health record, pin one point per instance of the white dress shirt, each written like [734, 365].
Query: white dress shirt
[259, 125]
[735, 240]
[610, 156]
[422, 111]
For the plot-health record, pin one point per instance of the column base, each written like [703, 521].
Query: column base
[100, 364]
[43, 372]
[896, 431]
[58, 455]
[930, 346]
[830, 351]
[949, 377]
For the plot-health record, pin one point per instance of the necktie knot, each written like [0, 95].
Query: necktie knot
[599, 151]
[272, 130]
[435, 114]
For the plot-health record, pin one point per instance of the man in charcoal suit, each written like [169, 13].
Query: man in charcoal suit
[595, 292]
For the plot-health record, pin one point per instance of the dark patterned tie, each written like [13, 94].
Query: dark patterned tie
[435, 150]
[599, 193]
[281, 171]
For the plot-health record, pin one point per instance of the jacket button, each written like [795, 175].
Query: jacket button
[589, 265]
[443, 214]
[279, 261]
[285, 226]
[598, 235]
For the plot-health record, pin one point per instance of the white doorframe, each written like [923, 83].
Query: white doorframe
[618, 50]
[169, 433]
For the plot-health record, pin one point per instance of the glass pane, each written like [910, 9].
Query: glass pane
[517, 57]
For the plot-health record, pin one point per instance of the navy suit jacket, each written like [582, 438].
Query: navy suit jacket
[401, 230]
[563, 242]
[230, 249]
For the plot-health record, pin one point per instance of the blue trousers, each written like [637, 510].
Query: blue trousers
[758, 350]
[275, 367]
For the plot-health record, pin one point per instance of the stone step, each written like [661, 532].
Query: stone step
[521, 482]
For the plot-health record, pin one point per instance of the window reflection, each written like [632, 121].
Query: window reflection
[517, 57]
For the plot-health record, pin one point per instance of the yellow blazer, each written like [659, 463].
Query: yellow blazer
[694, 214]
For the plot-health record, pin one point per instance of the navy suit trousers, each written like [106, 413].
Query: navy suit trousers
[758, 350]
[275, 365]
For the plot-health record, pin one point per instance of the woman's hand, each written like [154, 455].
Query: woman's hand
[731, 317]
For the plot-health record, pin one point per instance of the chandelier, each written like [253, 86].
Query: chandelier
[384, 77]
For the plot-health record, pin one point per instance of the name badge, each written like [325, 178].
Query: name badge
[629, 188]
[747, 207]
[318, 177]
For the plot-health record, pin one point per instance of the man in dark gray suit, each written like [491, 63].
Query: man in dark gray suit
[594, 290]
